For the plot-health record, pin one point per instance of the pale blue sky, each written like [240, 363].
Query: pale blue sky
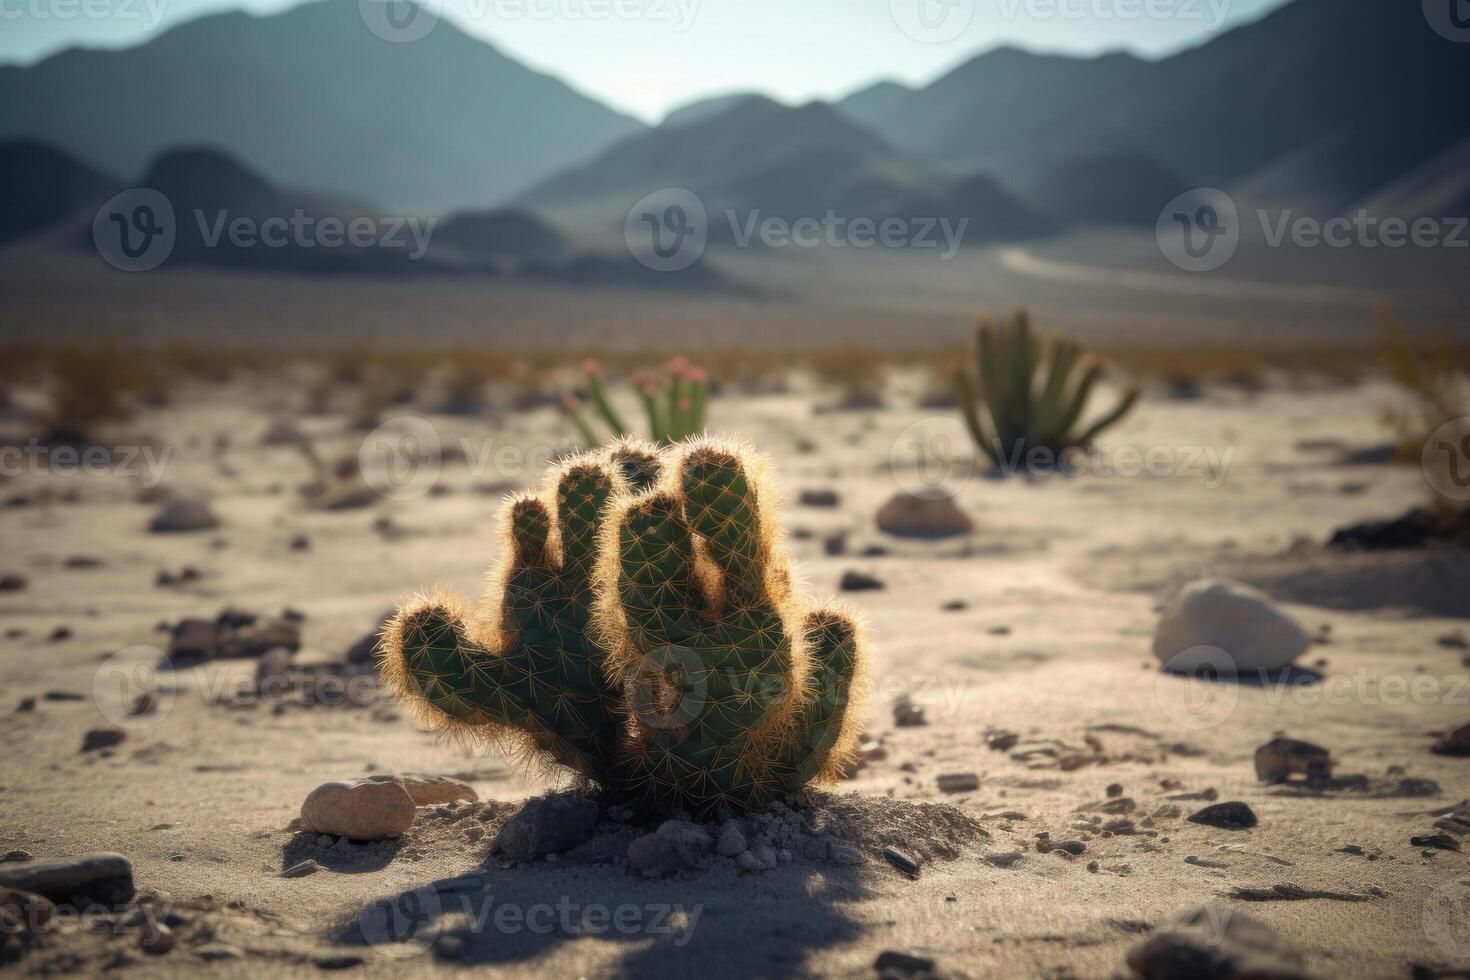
[646, 56]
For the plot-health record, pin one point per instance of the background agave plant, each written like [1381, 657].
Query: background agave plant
[1027, 393]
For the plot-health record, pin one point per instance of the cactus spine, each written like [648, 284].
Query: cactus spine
[645, 634]
[1026, 393]
[674, 401]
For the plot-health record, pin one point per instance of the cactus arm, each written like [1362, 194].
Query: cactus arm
[1020, 391]
[1063, 356]
[656, 581]
[723, 509]
[821, 748]
[1067, 423]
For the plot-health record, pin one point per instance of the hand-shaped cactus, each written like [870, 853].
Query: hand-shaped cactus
[645, 636]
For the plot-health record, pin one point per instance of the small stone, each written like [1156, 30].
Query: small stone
[12, 583]
[59, 633]
[1281, 758]
[818, 498]
[154, 938]
[183, 514]
[1217, 942]
[1233, 815]
[732, 840]
[1456, 743]
[1454, 641]
[281, 432]
[902, 860]
[958, 782]
[102, 738]
[1114, 790]
[339, 961]
[1003, 859]
[301, 869]
[546, 825]
[906, 714]
[954, 605]
[1001, 741]
[104, 878]
[1439, 842]
[26, 704]
[214, 952]
[761, 857]
[12, 856]
[931, 518]
[893, 965]
[859, 582]
[361, 809]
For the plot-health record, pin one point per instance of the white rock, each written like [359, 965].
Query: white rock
[362, 809]
[1226, 626]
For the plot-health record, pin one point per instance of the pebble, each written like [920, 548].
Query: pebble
[818, 498]
[958, 782]
[12, 583]
[546, 825]
[893, 965]
[761, 857]
[101, 877]
[1281, 758]
[301, 869]
[906, 714]
[732, 840]
[363, 809]
[1213, 941]
[218, 951]
[902, 861]
[15, 856]
[1233, 815]
[1455, 743]
[183, 514]
[859, 582]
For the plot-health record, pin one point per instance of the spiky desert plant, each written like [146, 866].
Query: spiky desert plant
[1026, 393]
[674, 401]
[644, 633]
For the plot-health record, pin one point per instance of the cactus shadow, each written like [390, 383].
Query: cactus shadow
[729, 924]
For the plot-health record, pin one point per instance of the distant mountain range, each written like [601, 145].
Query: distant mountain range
[311, 98]
[1319, 102]
[1316, 106]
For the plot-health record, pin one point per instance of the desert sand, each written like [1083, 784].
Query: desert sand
[1038, 624]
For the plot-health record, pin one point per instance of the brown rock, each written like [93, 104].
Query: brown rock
[427, 790]
[1281, 758]
[1456, 742]
[363, 809]
[910, 516]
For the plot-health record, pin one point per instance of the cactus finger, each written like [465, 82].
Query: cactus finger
[723, 509]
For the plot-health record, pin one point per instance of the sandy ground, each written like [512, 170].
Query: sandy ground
[1060, 584]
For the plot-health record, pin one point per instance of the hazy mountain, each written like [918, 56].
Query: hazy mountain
[705, 108]
[41, 186]
[1339, 104]
[758, 153]
[505, 232]
[310, 97]
[1124, 189]
[1439, 189]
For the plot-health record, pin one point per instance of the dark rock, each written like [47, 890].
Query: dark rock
[835, 544]
[183, 514]
[300, 543]
[1216, 943]
[1232, 815]
[902, 860]
[858, 582]
[929, 518]
[1440, 842]
[955, 605]
[818, 498]
[893, 965]
[12, 583]
[63, 696]
[546, 825]
[60, 633]
[82, 562]
[1414, 529]
[26, 704]
[906, 714]
[366, 648]
[102, 738]
[1456, 742]
[103, 878]
[1281, 758]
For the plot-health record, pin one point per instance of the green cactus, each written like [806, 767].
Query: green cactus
[1030, 394]
[645, 634]
[674, 401]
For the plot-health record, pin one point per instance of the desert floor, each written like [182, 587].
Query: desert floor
[1060, 584]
